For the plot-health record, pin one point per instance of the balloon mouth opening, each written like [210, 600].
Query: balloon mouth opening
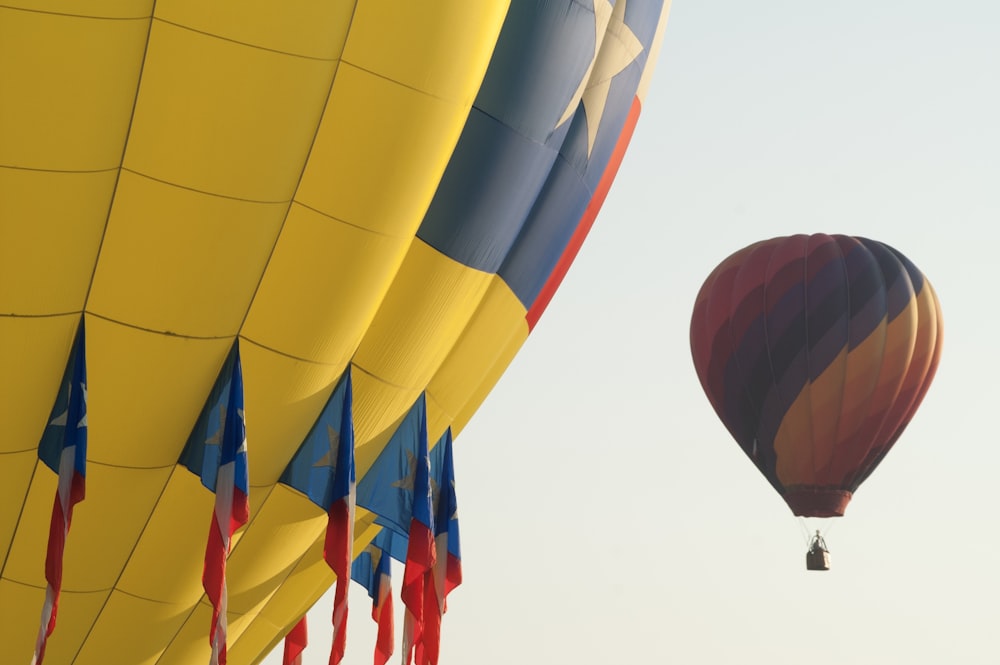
[817, 501]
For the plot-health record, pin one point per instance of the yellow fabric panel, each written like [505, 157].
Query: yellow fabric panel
[180, 261]
[891, 368]
[437, 421]
[116, 9]
[860, 380]
[380, 152]
[283, 397]
[257, 641]
[222, 117]
[420, 320]
[74, 82]
[323, 284]
[819, 402]
[190, 642]
[19, 614]
[19, 626]
[415, 43]
[239, 623]
[166, 562]
[383, 407]
[15, 476]
[284, 528]
[309, 580]
[51, 224]
[33, 355]
[309, 29]
[132, 631]
[421, 317]
[798, 439]
[107, 523]
[105, 526]
[490, 379]
[300, 591]
[26, 558]
[190, 645]
[499, 316]
[145, 392]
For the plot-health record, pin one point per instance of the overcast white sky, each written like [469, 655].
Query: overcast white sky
[606, 514]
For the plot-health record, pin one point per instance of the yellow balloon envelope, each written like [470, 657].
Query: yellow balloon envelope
[394, 188]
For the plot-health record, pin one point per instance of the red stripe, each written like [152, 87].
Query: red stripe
[382, 614]
[337, 553]
[295, 643]
[337, 549]
[587, 221]
[213, 576]
[58, 529]
[428, 648]
[420, 557]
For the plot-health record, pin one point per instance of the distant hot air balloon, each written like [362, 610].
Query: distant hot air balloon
[390, 188]
[815, 352]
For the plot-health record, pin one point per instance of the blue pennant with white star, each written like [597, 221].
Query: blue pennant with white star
[313, 467]
[203, 452]
[67, 427]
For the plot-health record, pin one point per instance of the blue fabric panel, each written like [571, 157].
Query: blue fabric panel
[486, 193]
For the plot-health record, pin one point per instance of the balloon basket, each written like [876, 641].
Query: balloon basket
[817, 560]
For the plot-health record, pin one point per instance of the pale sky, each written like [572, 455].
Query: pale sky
[606, 515]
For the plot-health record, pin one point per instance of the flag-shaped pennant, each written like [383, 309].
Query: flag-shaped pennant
[420, 553]
[447, 572]
[63, 448]
[373, 570]
[382, 610]
[295, 643]
[338, 548]
[387, 488]
[312, 469]
[232, 509]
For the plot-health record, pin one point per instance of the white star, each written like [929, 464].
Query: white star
[618, 50]
[602, 14]
[216, 439]
[243, 425]
[60, 420]
[406, 482]
[83, 420]
[330, 458]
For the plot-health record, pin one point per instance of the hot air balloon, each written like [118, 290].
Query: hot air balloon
[394, 189]
[815, 352]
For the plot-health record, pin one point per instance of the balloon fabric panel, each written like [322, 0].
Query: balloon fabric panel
[812, 350]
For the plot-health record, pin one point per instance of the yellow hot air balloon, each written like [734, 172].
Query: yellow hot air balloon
[395, 188]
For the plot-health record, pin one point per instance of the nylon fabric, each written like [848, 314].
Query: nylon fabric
[181, 175]
[815, 352]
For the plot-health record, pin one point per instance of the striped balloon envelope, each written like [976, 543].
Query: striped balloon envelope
[815, 352]
[382, 192]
